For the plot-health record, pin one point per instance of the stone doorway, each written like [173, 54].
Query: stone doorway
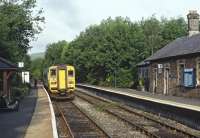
[166, 81]
[155, 79]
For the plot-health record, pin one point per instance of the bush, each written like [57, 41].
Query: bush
[141, 82]
[20, 92]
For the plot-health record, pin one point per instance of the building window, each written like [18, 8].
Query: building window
[180, 72]
[70, 73]
[198, 71]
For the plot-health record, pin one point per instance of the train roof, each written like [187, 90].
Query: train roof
[60, 65]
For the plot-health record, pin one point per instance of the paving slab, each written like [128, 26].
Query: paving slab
[14, 124]
[41, 123]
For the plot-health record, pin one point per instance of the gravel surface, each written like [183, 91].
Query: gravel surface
[111, 124]
[162, 119]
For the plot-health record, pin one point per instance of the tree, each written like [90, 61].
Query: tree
[173, 29]
[37, 68]
[53, 53]
[18, 27]
[111, 50]
[152, 30]
[103, 53]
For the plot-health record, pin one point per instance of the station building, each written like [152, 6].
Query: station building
[175, 68]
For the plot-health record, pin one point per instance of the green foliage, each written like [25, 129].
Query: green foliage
[173, 29]
[37, 68]
[113, 48]
[18, 27]
[53, 53]
[20, 91]
[141, 82]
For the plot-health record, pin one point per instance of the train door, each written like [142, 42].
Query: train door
[62, 79]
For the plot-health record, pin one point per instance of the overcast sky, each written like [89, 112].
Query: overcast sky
[65, 19]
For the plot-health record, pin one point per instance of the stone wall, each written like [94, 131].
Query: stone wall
[174, 86]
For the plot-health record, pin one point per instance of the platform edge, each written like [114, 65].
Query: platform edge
[53, 120]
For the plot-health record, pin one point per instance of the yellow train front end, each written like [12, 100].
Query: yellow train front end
[61, 81]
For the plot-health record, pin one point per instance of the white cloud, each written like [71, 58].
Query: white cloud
[66, 18]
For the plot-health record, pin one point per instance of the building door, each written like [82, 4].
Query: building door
[155, 79]
[166, 80]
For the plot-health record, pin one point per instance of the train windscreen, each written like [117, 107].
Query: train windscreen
[53, 72]
[70, 73]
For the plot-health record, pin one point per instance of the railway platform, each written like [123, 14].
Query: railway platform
[35, 118]
[43, 120]
[182, 102]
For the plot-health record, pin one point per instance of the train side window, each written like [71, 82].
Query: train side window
[53, 72]
[70, 73]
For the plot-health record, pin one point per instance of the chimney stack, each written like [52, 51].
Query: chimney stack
[193, 22]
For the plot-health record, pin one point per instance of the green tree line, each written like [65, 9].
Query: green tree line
[112, 49]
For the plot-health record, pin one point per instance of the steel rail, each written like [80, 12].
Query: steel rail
[72, 133]
[146, 117]
[141, 129]
[65, 121]
[92, 120]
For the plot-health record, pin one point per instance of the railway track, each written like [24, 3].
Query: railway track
[77, 123]
[147, 125]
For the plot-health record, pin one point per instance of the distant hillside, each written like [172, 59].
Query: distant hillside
[36, 55]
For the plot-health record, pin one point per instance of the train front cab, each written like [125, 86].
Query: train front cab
[62, 79]
[70, 79]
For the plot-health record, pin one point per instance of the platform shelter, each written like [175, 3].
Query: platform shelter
[6, 70]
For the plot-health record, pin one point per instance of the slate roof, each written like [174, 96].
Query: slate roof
[181, 46]
[143, 63]
[6, 65]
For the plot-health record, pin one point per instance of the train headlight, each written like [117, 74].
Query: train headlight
[53, 83]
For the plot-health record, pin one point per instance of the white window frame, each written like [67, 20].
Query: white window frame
[179, 62]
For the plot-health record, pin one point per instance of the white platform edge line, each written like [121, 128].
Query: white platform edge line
[172, 103]
[53, 120]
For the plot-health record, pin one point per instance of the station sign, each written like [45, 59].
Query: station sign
[20, 64]
[25, 77]
[189, 77]
[160, 66]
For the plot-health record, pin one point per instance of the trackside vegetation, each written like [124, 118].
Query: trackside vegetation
[107, 53]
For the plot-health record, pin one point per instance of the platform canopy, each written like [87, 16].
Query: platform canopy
[6, 69]
[7, 65]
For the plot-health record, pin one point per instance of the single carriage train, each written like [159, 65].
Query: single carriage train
[60, 81]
